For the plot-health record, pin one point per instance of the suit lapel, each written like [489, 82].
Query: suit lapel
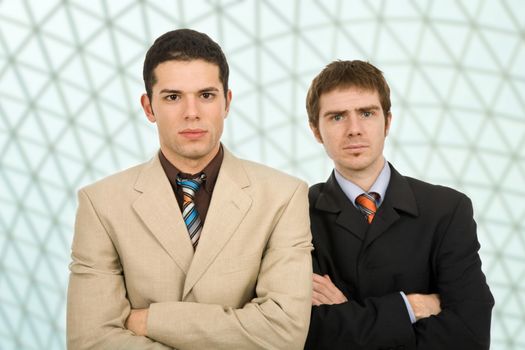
[158, 209]
[228, 206]
[398, 197]
[332, 199]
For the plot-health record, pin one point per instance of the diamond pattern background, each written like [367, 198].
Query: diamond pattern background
[70, 81]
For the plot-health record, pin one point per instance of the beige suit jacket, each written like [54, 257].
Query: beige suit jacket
[247, 286]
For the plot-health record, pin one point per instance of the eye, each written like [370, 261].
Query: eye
[337, 117]
[207, 95]
[367, 114]
[172, 97]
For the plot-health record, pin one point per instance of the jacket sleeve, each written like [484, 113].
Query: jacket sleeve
[97, 307]
[278, 315]
[466, 301]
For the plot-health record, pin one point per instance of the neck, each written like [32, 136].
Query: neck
[190, 165]
[363, 178]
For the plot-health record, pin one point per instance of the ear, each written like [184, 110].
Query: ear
[317, 134]
[148, 109]
[388, 122]
[228, 101]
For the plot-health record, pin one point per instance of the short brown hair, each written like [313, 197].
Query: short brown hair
[344, 74]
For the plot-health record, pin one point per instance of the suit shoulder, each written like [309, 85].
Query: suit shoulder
[315, 190]
[114, 181]
[423, 189]
[263, 173]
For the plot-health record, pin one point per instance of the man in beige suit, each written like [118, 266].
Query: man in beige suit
[195, 249]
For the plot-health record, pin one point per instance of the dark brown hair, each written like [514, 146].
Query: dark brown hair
[345, 74]
[183, 45]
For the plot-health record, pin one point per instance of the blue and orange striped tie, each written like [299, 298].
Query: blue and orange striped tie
[189, 210]
[367, 203]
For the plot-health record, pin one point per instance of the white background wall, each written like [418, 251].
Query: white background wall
[70, 81]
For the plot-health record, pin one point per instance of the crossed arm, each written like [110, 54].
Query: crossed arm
[325, 292]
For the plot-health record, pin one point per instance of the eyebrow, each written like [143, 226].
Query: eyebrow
[368, 108]
[343, 111]
[174, 91]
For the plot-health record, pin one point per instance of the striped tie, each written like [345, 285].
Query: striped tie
[366, 202]
[189, 210]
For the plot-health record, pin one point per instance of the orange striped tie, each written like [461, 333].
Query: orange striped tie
[366, 202]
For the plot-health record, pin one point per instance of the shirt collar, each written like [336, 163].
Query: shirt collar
[351, 190]
[211, 170]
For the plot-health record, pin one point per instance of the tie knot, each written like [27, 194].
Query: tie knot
[191, 185]
[367, 203]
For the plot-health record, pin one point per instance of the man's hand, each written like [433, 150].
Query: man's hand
[325, 292]
[424, 305]
[137, 321]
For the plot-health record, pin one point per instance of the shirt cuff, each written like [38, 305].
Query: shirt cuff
[409, 308]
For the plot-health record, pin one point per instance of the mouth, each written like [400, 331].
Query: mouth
[193, 134]
[355, 147]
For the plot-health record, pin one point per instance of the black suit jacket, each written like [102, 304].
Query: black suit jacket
[422, 240]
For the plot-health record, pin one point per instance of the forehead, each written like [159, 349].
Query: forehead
[186, 75]
[348, 98]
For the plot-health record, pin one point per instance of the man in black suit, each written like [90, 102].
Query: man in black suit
[396, 259]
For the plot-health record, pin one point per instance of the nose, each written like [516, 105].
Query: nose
[191, 108]
[353, 127]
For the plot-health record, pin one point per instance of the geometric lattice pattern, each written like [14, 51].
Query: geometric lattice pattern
[70, 81]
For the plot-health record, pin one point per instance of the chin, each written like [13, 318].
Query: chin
[196, 152]
[357, 166]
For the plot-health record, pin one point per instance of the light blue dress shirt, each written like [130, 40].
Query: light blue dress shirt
[352, 191]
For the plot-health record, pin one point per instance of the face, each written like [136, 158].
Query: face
[352, 130]
[189, 108]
